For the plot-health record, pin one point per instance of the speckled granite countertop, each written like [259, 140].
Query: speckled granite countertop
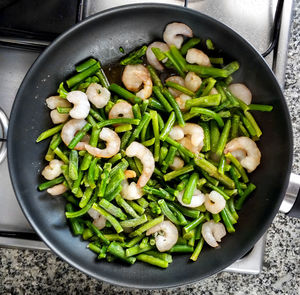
[38, 272]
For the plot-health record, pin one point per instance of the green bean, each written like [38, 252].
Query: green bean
[209, 178]
[239, 203]
[134, 57]
[83, 210]
[76, 226]
[102, 77]
[260, 107]
[123, 128]
[49, 132]
[180, 88]
[143, 203]
[209, 44]
[226, 220]
[169, 159]
[144, 243]
[83, 75]
[115, 237]
[210, 83]
[171, 175]
[112, 209]
[91, 173]
[216, 217]
[63, 110]
[135, 134]
[158, 192]
[243, 130]
[235, 126]
[206, 146]
[232, 67]
[176, 212]
[136, 112]
[158, 53]
[198, 249]
[85, 65]
[104, 179]
[253, 123]
[145, 127]
[180, 147]
[209, 113]
[222, 92]
[248, 125]
[175, 106]
[98, 233]
[134, 241]
[144, 106]
[58, 152]
[182, 249]
[152, 260]
[79, 135]
[117, 191]
[73, 165]
[213, 171]
[134, 222]
[86, 197]
[118, 121]
[232, 208]
[222, 163]
[190, 188]
[136, 207]
[167, 212]
[109, 217]
[168, 126]
[124, 93]
[155, 104]
[127, 208]
[62, 91]
[189, 44]
[103, 252]
[162, 99]
[125, 139]
[123, 164]
[223, 138]
[214, 136]
[146, 226]
[201, 182]
[96, 115]
[116, 249]
[156, 80]
[230, 216]
[203, 71]
[115, 158]
[94, 248]
[180, 60]
[194, 223]
[87, 234]
[238, 165]
[149, 142]
[154, 119]
[163, 256]
[47, 184]
[175, 63]
[204, 101]
[49, 155]
[181, 186]
[135, 250]
[115, 181]
[216, 60]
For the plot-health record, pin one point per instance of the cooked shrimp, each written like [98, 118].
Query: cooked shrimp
[197, 200]
[173, 33]
[56, 101]
[151, 58]
[192, 81]
[176, 132]
[178, 163]
[122, 109]
[138, 150]
[213, 232]
[56, 190]
[214, 202]
[134, 76]
[58, 118]
[213, 91]
[69, 130]
[53, 169]
[81, 106]
[186, 142]
[241, 91]
[98, 95]
[196, 132]
[250, 149]
[131, 191]
[181, 100]
[130, 174]
[113, 144]
[99, 220]
[196, 56]
[176, 79]
[166, 235]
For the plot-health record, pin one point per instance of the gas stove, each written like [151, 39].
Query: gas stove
[265, 24]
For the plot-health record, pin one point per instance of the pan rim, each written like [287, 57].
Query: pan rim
[13, 174]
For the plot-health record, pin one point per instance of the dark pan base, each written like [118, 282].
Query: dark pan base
[101, 36]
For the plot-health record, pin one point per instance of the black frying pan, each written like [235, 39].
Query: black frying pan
[101, 36]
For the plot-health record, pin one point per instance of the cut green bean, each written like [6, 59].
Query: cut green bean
[210, 113]
[152, 260]
[162, 99]
[203, 71]
[204, 101]
[239, 203]
[190, 188]
[198, 249]
[182, 249]
[98, 233]
[47, 184]
[134, 57]
[189, 44]
[116, 249]
[112, 209]
[260, 107]
[174, 174]
[146, 226]
[85, 65]
[180, 88]
[223, 138]
[190, 226]
[155, 126]
[79, 135]
[124, 93]
[238, 165]
[49, 132]
[134, 222]
[156, 80]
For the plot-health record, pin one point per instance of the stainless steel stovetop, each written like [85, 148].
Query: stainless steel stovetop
[253, 19]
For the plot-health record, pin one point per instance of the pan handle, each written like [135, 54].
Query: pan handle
[4, 127]
[291, 201]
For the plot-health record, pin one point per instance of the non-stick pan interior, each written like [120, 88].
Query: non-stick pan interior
[101, 36]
